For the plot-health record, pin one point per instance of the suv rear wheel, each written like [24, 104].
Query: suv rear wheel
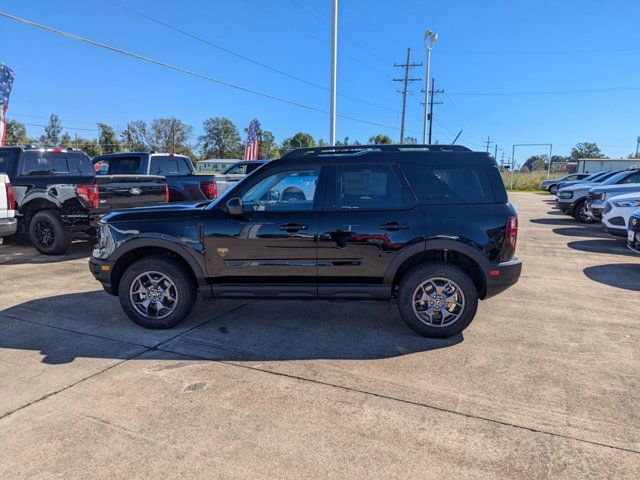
[157, 292]
[48, 233]
[437, 299]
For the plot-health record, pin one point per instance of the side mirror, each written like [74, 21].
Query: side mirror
[234, 207]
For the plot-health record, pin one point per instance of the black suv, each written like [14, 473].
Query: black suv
[429, 225]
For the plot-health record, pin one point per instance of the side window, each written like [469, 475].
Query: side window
[367, 187]
[164, 165]
[291, 190]
[435, 184]
[236, 170]
[633, 178]
[183, 166]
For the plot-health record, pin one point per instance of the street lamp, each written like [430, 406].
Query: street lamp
[429, 39]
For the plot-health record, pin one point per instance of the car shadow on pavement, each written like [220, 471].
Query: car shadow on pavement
[581, 232]
[65, 327]
[605, 245]
[567, 220]
[620, 275]
[20, 251]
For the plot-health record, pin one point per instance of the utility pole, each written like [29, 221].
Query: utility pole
[407, 66]
[495, 151]
[488, 142]
[431, 104]
[334, 64]
[502, 160]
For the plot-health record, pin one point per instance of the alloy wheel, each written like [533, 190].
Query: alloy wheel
[154, 295]
[438, 302]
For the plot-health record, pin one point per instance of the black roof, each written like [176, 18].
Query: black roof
[436, 154]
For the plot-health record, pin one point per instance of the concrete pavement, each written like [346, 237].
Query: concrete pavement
[543, 384]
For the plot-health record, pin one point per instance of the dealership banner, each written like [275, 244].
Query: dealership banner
[6, 82]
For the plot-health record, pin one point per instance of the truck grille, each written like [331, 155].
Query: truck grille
[592, 196]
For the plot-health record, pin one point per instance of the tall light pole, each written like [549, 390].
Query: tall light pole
[334, 61]
[429, 39]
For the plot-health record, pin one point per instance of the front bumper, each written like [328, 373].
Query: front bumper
[8, 226]
[565, 205]
[595, 209]
[633, 239]
[615, 232]
[101, 270]
[509, 273]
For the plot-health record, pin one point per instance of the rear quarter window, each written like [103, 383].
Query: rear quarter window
[453, 185]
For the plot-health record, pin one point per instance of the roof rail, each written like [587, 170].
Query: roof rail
[328, 150]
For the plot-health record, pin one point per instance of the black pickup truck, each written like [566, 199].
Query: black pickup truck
[184, 183]
[58, 194]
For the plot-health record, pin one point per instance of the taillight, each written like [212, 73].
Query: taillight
[512, 231]
[166, 192]
[11, 197]
[210, 189]
[89, 194]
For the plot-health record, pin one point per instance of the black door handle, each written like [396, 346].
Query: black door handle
[393, 226]
[292, 227]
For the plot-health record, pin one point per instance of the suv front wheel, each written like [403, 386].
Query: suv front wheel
[437, 299]
[157, 292]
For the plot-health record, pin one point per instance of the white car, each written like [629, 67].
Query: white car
[8, 220]
[617, 211]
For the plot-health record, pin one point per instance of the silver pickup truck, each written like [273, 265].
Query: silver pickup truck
[236, 172]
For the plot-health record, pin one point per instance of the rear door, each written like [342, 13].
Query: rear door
[369, 218]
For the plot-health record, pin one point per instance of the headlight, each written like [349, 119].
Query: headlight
[565, 194]
[626, 203]
[634, 221]
[603, 197]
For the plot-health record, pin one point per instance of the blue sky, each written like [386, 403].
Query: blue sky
[485, 47]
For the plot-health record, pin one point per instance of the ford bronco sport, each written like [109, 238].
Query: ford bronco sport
[427, 225]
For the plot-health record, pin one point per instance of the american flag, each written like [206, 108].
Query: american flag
[6, 82]
[252, 148]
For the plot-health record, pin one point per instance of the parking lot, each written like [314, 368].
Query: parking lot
[545, 383]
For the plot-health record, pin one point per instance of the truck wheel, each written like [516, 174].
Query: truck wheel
[554, 189]
[580, 212]
[437, 299]
[157, 292]
[48, 233]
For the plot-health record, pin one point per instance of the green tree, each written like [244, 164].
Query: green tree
[108, 139]
[220, 139]
[133, 136]
[170, 135]
[299, 140]
[535, 162]
[16, 134]
[90, 146]
[52, 131]
[322, 143]
[410, 140]
[380, 139]
[268, 146]
[586, 150]
[66, 141]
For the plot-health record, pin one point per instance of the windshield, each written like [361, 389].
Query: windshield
[615, 178]
[38, 162]
[594, 176]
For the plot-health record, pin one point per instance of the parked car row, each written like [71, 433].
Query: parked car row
[611, 198]
[53, 194]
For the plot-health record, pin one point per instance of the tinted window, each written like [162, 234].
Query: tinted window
[165, 165]
[633, 178]
[235, 170]
[7, 160]
[449, 185]
[117, 166]
[50, 163]
[289, 190]
[183, 166]
[367, 187]
[613, 178]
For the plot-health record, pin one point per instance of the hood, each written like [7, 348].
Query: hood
[165, 211]
[609, 189]
[626, 196]
[578, 186]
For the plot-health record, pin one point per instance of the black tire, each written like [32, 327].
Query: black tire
[48, 233]
[553, 189]
[178, 275]
[579, 212]
[441, 270]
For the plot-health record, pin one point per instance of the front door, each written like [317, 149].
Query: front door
[368, 220]
[272, 248]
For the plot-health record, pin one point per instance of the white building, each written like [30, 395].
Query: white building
[215, 165]
[595, 165]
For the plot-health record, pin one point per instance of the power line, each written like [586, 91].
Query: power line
[239, 55]
[406, 80]
[184, 70]
[539, 52]
[550, 92]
